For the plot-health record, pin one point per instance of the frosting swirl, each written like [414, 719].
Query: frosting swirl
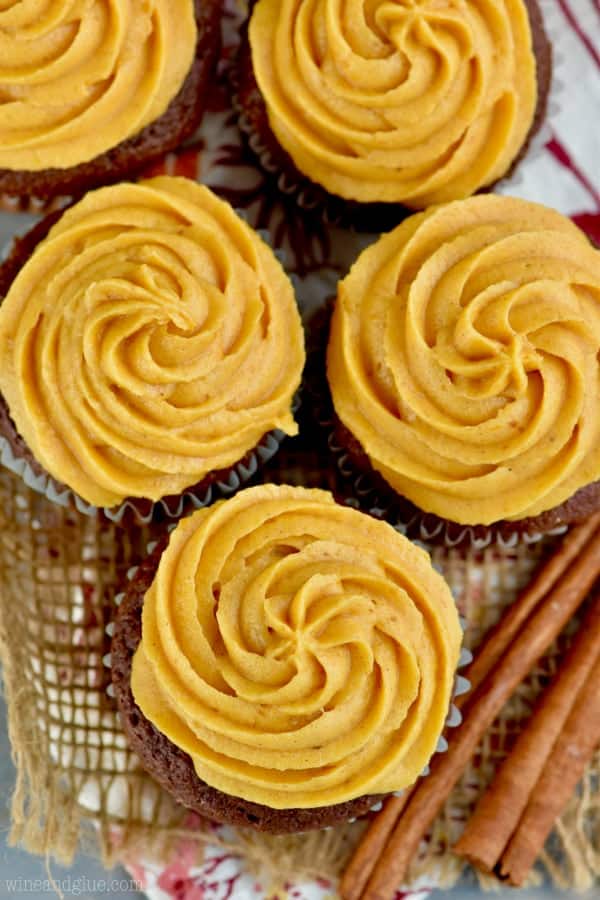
[463, 356]
[152, 338]
[412, 101]
[79, 77]
[300, 652]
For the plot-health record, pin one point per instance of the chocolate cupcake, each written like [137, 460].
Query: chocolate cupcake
[463, 368]
[90, 93]
[285, 661]
[150, 351]
[368, 110]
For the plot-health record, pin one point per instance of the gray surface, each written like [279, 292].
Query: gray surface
[8, 226]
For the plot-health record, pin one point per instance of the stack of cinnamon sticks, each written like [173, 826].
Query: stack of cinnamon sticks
[510, 826]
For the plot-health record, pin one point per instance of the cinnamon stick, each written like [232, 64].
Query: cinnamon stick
[497, 815]
[365, 856]
[563, 770]
[360, 866]
[500, 637]
[480, 711]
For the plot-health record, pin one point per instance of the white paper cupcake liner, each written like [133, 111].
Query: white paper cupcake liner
[454, 717]
[367, 497]
[310, 197]
[167, 507]
[6, 250]
[35, 206]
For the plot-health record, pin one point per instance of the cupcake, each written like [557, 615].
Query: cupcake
[463, 368]
[285, 661]
[91, 92]
[366, 109]
[150, 351]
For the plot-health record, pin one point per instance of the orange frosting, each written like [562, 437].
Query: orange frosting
[78, 78]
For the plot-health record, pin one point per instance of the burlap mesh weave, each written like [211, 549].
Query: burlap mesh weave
[78, 784]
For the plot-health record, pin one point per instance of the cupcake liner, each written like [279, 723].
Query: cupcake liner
[417, 524]
[6, 250]
[371, 495]
[308, 197]
[453, 719]
[312, 199]
[35, 206]
[167, 507]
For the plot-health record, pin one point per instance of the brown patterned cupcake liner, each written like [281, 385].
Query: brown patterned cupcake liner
[371, 494]
[35, 206]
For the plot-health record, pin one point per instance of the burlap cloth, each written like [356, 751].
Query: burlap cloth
[78, 785]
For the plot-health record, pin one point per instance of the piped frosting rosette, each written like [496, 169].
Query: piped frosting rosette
[78, 78]
[151, 338]
[411, 101]
[463, 356]
[302, 653]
